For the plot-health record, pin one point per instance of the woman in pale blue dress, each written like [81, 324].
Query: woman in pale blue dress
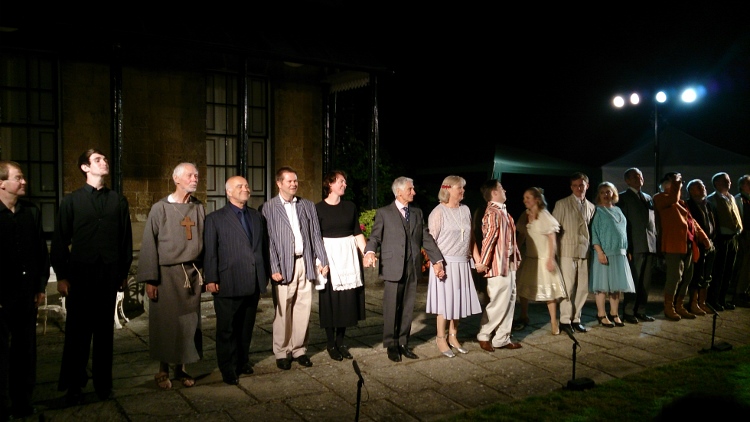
[453, 297]
[610, 271]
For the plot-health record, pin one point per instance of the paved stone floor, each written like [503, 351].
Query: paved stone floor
[425, 389]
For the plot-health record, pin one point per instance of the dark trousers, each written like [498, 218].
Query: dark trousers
[642, 267]
[703, 269]
[398, 309]
[726, 253]
[90, 305]
[235, 320]
[17, 352]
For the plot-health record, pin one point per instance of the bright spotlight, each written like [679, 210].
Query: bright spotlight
[661, 96]
[634, 99]
[618, 101]
[689, 95]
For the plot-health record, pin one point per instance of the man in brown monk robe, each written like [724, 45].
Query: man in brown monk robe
[170, 261]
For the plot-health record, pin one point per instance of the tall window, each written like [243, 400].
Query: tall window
[225, 122]
[29, 126]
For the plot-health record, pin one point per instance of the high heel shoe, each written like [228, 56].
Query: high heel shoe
[448, 353]
[601, 322]
[616, 318]
[460, 349]
[555, 329]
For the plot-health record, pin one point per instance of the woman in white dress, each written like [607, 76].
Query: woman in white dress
[453, 297]
[539, 277]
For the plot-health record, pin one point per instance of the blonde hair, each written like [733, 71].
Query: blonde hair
[611, 187]
[449, 182]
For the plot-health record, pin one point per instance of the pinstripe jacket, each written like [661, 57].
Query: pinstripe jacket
[281, 238]
[230, 259]
[574, 236]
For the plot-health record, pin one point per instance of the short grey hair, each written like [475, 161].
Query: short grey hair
[180, 169]
[400, 183]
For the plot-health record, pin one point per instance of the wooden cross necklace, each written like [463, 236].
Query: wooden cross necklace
[186, 222]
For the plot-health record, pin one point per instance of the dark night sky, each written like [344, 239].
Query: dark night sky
[469, 80]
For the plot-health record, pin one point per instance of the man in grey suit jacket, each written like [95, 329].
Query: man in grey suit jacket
[574, 213]
[400, 232]
[638, 208]
[297, 255]
[235, 244]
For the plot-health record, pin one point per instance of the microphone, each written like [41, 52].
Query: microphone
[357, 371]
[572, 337]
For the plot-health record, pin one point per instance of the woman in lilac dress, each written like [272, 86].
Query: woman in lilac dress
[453, 297]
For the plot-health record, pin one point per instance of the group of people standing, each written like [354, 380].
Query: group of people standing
[607, 249]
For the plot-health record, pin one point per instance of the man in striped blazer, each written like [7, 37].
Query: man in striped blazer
[297, 255]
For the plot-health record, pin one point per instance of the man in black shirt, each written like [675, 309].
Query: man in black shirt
[92, 250]
[25, 270]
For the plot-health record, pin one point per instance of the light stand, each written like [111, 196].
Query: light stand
[360, 383]
[721, 346]
[580, 383]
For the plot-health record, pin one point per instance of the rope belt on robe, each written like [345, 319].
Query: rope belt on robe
[187, 284]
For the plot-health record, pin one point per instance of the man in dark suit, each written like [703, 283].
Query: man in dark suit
[23, 285]
[638, 208]
[297, 255]
[400, 232]
[235, 243]
[703, 214]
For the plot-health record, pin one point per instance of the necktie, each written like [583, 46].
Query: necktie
[406, 213]
[243, 220]
[643, 199]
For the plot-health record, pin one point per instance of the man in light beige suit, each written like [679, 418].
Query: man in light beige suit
[574, 213]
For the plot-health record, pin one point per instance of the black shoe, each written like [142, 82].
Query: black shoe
[644, 318]
[334, 353]
[344, 350]
[394, 354]
[74, 396]
[246, 369]
[304, 361]
[727, 306]
[284, 364]
[230, 379]
[567, 328]
[601, 322]
[104, 395]
[716, 306]
[406, 352]
[630, 319]
[579, 327]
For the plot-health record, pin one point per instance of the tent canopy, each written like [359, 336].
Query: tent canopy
[679, 152]
[513, 160]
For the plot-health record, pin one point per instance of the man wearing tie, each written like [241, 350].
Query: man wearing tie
[297, 255]
[400, 232]
[235, 273]
[638, 208]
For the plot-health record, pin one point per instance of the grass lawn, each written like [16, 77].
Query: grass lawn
[710, 386]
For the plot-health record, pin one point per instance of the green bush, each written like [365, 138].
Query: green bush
[366, 218]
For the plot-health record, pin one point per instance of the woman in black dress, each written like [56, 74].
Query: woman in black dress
[342, 293]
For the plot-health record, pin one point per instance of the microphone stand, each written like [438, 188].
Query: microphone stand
[360, 383]
[721, 346]
[580, 383]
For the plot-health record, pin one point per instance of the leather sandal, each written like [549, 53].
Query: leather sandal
[162, 380]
